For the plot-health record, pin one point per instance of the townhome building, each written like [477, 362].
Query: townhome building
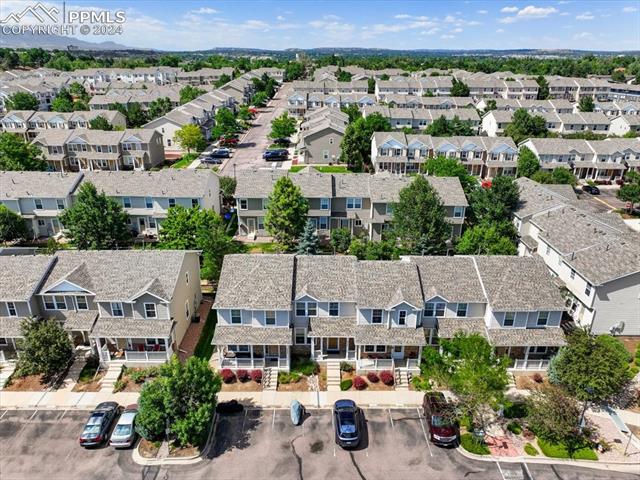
[532, 106]
[596, 259]
[494, 122]
[380, 315]
[397, 152]
[39, 198]
[617, 108]
[142, 96]
[44, 89]
[361, 203]
[157, 75]
[204, 76]
[320, 136]
[439, 86]
[419, 119]
[625, 124]
[299, 103]
[624, 91]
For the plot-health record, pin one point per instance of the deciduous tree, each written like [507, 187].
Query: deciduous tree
[586, 104]
[450, 167]
[528, 164]
[190, 137]
[283, 126]
[459, 89]
[487, 239]
[159, 107]
[22, 101]
[340, 239]
[524, 125]
[100, 123]
[12, 226]
[16, 154]
[189, 93]
[356, 142]
[45, 348]
[286, 214]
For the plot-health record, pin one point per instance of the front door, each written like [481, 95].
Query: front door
[251, 225]
[333, 344]
[398, 352]
[143, 225]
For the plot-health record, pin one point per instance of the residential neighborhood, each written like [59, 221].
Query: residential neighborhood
[320, 240]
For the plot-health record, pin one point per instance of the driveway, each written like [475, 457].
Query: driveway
[248, 155]
[260, 444]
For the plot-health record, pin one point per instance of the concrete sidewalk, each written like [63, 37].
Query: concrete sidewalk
[62, 399]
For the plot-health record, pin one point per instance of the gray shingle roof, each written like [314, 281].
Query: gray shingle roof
[79, 321]
[381, 335]
[256, 282]
[21, 275]
[518, 284]
[259, 183]
[448, 327]
[384, 284]
[226, 335]
[326, 277]
[10, 327]
[165, 183]
[332, 327]
[14, 185]
[132, 328]
[522, 337]
[535, 198]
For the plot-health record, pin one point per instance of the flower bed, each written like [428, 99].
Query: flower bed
[371, 381]
[241, 380]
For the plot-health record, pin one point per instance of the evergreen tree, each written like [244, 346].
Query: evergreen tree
[586, 104]
[309, 244]
[543, 88]
[286, 215]
[459, 89]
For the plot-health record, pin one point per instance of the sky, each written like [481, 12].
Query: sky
[396, 24]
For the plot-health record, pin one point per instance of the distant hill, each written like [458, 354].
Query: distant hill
[50, 42]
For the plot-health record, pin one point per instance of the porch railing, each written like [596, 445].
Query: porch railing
[376, 364]
[243, 363]
[530, 364]
[133, 356]
[413, 364]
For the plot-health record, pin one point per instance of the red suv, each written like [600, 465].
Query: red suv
[228, 141]
[440, 415]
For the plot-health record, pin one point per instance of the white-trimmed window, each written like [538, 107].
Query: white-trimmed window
[270, 317]
[236, 317]
[81, 303]
[116, 309]
[587, 289]
[509, 319]
[543, 318]
[548, 250]
[334, 309]
[458, 212]
[354, 203]
[402, 317]
[376, 316]
[323, 223]
[238, 348]
[11, 308]
[461, 310]
[310, 309]
[265, 203]
[434, 309]
[572, 274]
[243, 204]
[60, 203]
[148, 202]
[55, 302]
[538, 350]
[375, 348]
[357, 223]
[38, 203]
[172, 202]
[300, 336]
[195, 203]
[126, 202]
[150, 310]
[324, 204]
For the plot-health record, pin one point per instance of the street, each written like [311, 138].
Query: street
[261, 444]
[248, 154]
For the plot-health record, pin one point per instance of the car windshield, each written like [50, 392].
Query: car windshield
[122, 430]
[440, 421]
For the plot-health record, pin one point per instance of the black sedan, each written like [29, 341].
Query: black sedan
[347, 422]
[96, 429]
[276, 154]
[591, 189]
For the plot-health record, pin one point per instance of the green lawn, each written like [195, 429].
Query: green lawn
[204, 349]
[560, 451]
[471, 445]
[185, 161]
[332, 169]
[264, 248]
[88, 372]
[296, 168]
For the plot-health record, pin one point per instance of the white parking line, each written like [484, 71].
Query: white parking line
[333, 429]
[273, 420]
[5, 412]
[244, 420]
[500, 470]
[424, 431]
[63, 414]
[391, 419]
[526, 467]
[34, 414]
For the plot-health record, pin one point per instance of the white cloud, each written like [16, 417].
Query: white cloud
[482, 12]
[585, 16]
[449, 19]
[204, 11]
[457, 30]
[330, 17]
[509, 9]
[447, 37]
[564, 14]
[402, 16]
[530, 12]
[630, 9]
[280, 18]
[500, 30]
[582, 35]
[431, 31]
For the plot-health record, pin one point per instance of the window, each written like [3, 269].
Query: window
[81, 303]
[236, 317]
[376, 316]
[11, 308]
[260, 223]
[238, 348]
[538, 350]
[402, 317]
[38, 203]
[354, 203]
[148, 202]
[126, 202]
[323, 223]
[334, 309]
[116, 309]
[150, 310]
[3, 341]
[509, 319]
[172, 202]
[572, 274]
[60, 204]
[306, 309]
[369, 348]
[543, 317]
[548, 249]
[301, 336]
[49, 303]
[389, 209]
[312, 309]
[301, 309]
[186, 310]
[587, 289]
[324, 204]
[434, 309]
[325, 154]
[265, 203]
[458, 212]
[461, 310]
[195, 202]
[243, 204]
[270, 317]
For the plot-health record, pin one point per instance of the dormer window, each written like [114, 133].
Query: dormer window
[376, 316]
[543, 318]
[116, 309]
[509, 319]
[402, 317]
[150, 310]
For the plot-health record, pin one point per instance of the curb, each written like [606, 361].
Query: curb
[623, 467]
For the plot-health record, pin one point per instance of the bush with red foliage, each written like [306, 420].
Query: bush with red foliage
[386, 377]
[256, 375]
[359, 383]
[538, 378]
[373, 377]
[227, 375]
[243, 375]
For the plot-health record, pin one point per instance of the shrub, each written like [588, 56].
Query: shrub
[470, 444]
[139, 375]
[227, 375]
[243, 375]
[285, 378]
[514, 427]
[359, 383]
[305, 367]
[120, 385]
[515, 410]
[373, 377]
[421, 384]
[537, 378]
[256, 375]
[346, 384]
[386, 377]
[346, 367]
[530, 450]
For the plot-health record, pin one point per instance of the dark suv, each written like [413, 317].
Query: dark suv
[440, 415]
[96, 429]
[346, 420]
[276, 154]
[593, 190]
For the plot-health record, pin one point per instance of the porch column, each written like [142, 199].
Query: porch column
[430, 336]
[508, 351]
[288, 358]
[321, 346]
[419, 354]
[526, 356]
[251, 354]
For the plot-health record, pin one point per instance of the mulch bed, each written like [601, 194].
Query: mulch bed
[92, 386]
[377, 386]
[300, 386]
[249, 386]
[527, 382]
[148, 449]
[183, 451]
[29, 383]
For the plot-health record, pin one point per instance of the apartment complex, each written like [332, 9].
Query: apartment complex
[361, 203]
[419, 119]
[494, 122]
[320, 136]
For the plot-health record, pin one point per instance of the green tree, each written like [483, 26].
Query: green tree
[283, 126]
[528, 163]
[343, 76]
[384, 77]
[63, 101]
[352, 111]
[169, 60]
[459, 89]
[356, 142]
[308, 243]
[151, 419]
[556, 176]
[17, 154]
[543, 88]
[293, 71]
[365, 249]
[45, 348]
[441, 166]
[340, 239]
[260, 99]
[136, 116]
[79, 92]
[190, 137]
[228, 188]
[486, 239]
[12, 226]
[630, 192]
[226, 123]
[100, 123]
[159, 107]
[586, 104]
[371, 85]
[22, 101]
[419, 219]
[494, 203]
[189, 93]
[593, 368]
[441, 127]
[618, 76]
[491, 105]
[224, 78]
[95, 221]
[286, 214]
[524, 125]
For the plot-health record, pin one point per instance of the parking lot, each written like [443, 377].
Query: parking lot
[260, 444]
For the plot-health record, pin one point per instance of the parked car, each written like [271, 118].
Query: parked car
[229, 140]
[443, 428]
[220, 153]
[591, 189]
[124, 433]
[276, 154]
[285, 142]
[97, 427]
[347, 422]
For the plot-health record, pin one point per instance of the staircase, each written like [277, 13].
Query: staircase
[74, 371]
[333, 376]
[401, 379]
[6, 372]
[269, 379]
[111, 377]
